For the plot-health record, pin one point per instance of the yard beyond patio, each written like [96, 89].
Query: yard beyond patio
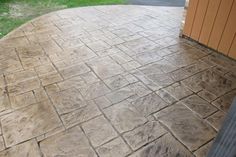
[14, 13]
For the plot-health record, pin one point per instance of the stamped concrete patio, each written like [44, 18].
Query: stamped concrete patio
[110, 81]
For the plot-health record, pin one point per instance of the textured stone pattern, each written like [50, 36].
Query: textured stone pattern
[110, 81]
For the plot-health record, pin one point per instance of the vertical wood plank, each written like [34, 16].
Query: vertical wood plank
[192, 7]
[232, 51]
[199, 18]
[209, 21]
[229, 32]
[220, 23]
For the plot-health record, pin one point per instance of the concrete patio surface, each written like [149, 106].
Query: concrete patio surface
[110, 81]
[176, 3]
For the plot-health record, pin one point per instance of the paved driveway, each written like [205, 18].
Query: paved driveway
[110, 81]
[177, 3]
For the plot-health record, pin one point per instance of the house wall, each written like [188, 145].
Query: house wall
[212, 23]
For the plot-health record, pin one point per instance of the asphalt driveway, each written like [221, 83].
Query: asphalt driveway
[179, 3]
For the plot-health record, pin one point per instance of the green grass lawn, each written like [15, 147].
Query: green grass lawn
[13, 13]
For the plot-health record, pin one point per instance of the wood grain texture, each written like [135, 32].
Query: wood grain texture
[209, 21]
[229, 32]
[220, 23]
[190, 17]
[232, 51]
[199, 18]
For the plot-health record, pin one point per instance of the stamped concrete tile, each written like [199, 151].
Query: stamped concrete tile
[45, 69]
[180, 60]
[116, 82]
[140, 89]
[164, 52]
[178, 91]
[2, 145]
[22, 100]
[120, 95]
[189, 129]
[110, 51]
[162, 80]
[209, 97]
[98, 46]
[149, 104]
[130, 78]
[122, 32]
[40, 94]
[197, 67]
[90, 78]
[50, 46]
[114, 41]
[74, 70]
[152, 84]
[202, 152]
[116, 147]
[140, 45]
[23, 87]
[224, 102]
[166, 96]
[124, 117]
[157, 73]
[2, 82]
[105, 67]
[95, 90]
[68, 44]
[159, 67]
[31, 121]
[131, 65]
[74, 82]
[50, 78]
[198, 105]
[216, 120]
[210, 81]
[121, 57]
[71, 143]
[146, 58]
[144, 134]
[4, 101]
[20, 76]
[26, 149]
[167, 41]
[220, 60]
[180, 47]
[52, 88]
[83, 53]
[102, 102]
[165, 146]
[67, 100]
[81, 115]
[99, 131]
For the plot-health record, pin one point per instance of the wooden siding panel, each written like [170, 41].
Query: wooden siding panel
[190, 17]
[229, 32]
[232, 51]
[209, 21]
[199, 18]
[220, 23]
